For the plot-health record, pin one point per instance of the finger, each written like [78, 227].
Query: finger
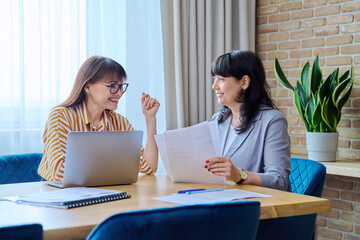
[227, 170]
[212, 160]
[155, 101]
[143, 97]
[222, 174]
[146, 100]
[216, 165]
[152, 102]
[216, 161]
[148, 104]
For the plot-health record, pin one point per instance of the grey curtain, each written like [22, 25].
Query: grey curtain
[195, 32]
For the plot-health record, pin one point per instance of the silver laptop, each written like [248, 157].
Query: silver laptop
[101, 159]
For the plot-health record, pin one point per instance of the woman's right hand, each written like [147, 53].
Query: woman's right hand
[221, 166]
[149, 105]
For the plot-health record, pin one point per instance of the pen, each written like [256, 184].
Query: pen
[191, 190]
[205, 191]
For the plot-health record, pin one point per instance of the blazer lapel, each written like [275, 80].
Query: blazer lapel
[238, 141]
[223, 133]
[240, 138]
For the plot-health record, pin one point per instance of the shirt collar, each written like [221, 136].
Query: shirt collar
[106, 118]
[86, 118]
[84, 113]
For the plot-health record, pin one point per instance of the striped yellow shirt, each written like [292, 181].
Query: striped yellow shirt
[61, 121]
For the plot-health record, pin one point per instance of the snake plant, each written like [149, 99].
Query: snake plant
[319, 102]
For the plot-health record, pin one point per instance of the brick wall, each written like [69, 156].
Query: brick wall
[343, 222]
[295, 32]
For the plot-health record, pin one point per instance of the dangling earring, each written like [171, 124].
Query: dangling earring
[243, 88]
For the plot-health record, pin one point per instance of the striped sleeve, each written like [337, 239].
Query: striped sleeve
[55, 139]
[144, 166]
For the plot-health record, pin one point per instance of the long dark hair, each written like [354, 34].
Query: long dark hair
[92, 70]
[238, 64]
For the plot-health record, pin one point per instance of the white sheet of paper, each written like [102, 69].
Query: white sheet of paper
[160, 142]
[184, 152]
[211, 197]
[215, 137]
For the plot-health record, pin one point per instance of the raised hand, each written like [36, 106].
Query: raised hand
[149, 105]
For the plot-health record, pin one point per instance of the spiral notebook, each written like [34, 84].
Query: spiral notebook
[70, 197]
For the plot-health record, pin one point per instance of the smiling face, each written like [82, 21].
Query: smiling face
[227, 91]
[98, 95]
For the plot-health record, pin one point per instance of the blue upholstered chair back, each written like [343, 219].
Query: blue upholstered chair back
[19, 168]
[21, 232]
[235, 220]
[306, 177]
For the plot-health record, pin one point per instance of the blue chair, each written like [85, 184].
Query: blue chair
[20, 232]
[19, 168]
[306, 177]
[232, 220]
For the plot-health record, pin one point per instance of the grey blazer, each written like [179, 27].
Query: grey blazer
[264, 148]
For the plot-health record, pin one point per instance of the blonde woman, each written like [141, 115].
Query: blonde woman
[99, 85]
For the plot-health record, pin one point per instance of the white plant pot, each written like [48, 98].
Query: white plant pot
[322, 146]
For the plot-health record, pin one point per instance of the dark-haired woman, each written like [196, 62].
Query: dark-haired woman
[253, 132]
[98, 87]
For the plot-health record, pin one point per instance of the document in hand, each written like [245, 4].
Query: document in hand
[70, 197]
[184, 152]
[211, 196]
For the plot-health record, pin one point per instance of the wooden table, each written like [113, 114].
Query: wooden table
[77, 223]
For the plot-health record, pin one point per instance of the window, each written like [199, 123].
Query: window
[43, 43]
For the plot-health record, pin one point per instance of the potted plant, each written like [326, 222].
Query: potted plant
[319, 104]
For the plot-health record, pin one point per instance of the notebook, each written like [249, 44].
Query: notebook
[70, 197]
[101, 159]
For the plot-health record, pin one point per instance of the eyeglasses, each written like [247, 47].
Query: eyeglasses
[114, 88]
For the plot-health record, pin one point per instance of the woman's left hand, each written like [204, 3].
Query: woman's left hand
[221, 166]
[149, 105]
